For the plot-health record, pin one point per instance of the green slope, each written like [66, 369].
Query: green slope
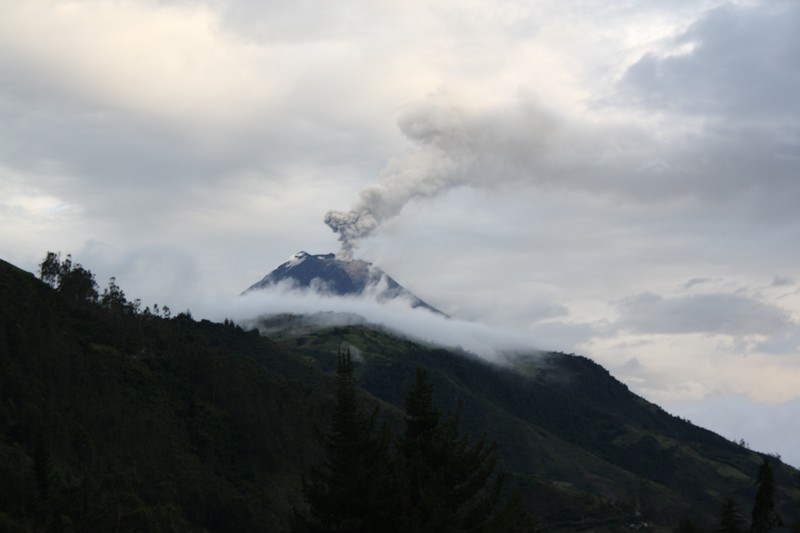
[570, 432]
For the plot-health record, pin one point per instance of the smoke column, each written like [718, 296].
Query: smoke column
[452, 148]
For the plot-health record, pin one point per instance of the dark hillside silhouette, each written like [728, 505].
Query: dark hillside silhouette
[119, 416]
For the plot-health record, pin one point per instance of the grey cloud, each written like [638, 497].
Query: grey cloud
[121, 165]
[294, 21]
[121, 150]
[782, 281]
[741, 78]
[631, 366]
[729, 314]
[106, 165]
[512, 308]
[167, 275]
[696, 281]
[743, 63]
[785, 340]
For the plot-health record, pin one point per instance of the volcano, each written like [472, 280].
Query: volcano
[328, 275]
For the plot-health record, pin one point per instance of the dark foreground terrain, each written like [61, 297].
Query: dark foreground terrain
[119, 418]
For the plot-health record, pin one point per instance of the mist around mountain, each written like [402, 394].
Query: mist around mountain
[119, 416]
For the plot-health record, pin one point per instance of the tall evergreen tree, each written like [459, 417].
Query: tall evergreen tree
[513, 518]
[730, 518]
[356, 490]
[437, 482]
[452, 485]
[763, 516]
[687, 525]
[796, 527]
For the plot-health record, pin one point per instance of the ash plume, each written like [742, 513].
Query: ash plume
[351, 226]
[453, 147]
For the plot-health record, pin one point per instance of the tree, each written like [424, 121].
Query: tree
[763, 515]
[357, 489]
[687, 526]
[452, 485]
[796, 528]
[730, 518]
[50, 269]
[514, 518]
[78, 285]
[113, 297]
[74, 282]
[437, 481]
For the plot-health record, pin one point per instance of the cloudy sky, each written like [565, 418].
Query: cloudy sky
[612, 178]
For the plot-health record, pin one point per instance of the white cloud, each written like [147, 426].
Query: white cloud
[173, 62]
[397, 315]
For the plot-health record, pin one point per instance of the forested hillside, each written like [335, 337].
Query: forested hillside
[119, 417]
[115, 420]
[585, 451]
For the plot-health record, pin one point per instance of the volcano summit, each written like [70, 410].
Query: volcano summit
[325, 274]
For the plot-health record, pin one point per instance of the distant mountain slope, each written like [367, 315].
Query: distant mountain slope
[571, 434]
[326, 274]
